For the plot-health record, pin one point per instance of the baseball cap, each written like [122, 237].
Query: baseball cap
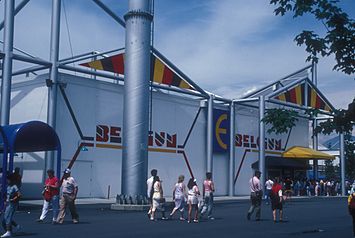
[67, 171]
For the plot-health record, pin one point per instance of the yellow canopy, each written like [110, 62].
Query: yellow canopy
[298, 152]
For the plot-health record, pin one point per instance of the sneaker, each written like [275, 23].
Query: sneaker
[151, 218]
[182, 219]
[75, 221]
[211, 218]
[7, 234]
[196, 221]
[39, 220]
[164, 218]
[188, 221]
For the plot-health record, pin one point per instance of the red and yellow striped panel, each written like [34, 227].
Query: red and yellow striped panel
[161, 73]
[296, 95]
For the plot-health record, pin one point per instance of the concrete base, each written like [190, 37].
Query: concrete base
[127, 207]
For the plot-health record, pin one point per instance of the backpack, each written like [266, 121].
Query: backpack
[352, 202]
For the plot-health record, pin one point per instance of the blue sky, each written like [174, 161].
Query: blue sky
[228, 47]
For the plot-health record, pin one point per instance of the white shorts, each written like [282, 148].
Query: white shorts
[192, 199]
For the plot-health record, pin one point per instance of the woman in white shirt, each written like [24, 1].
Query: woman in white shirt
[192, 199]
[179, 197]
[157, 198]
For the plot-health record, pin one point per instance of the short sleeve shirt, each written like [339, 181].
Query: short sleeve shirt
[52, 182]
[11, 191]
[68, 185]
[179, 190]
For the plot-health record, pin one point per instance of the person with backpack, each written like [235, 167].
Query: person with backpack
[351, 206]
[276, 199]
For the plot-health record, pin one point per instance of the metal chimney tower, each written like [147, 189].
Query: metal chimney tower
[136, 97]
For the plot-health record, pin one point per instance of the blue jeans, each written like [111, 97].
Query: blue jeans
[208, 205]
[55, 205]
[9, 214]
[267, 195]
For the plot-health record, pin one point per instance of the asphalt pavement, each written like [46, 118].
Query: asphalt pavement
[315, 217]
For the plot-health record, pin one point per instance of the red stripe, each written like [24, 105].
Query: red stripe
[168, 76]
[293, 95]
[118, 63]
[240, 165]
[85, 64]
[187, 162]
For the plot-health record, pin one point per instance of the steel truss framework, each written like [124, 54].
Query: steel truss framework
[260, 99]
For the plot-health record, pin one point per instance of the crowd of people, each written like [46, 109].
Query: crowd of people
[311, 187]
[278, 191]
[200, 204]
[182, 195]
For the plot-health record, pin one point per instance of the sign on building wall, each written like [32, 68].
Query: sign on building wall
[221, 131]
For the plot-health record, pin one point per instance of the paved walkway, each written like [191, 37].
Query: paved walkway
[219, 199]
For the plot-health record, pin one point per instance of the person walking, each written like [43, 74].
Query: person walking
[50, 196]
[256, 195]
[179, 197]
[351, 206]
[69, 193]
[192, 199]
[150, 181]
[12, 200]
[268, 185]
[207, 194]
[157, 198]
[276, 199]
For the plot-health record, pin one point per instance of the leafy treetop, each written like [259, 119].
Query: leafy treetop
[340, 31]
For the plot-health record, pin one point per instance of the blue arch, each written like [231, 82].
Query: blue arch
[32, 136]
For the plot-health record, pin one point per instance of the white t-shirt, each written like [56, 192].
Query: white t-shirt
[68, 185]
[254, 183]
[269, 184]
[149, 185]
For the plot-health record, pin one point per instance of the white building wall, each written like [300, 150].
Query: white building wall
[98, 169]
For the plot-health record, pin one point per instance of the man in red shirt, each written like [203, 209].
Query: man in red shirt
[50, 196]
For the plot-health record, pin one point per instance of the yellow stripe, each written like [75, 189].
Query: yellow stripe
[161, 150]
[109, 146]
[96, 65]
[298, 95]
[184, 84]
[119, 147]
[313, 98]
[268, 152]
[282, 97]
[158, 71]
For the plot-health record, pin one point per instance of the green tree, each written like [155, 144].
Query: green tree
[339, 39]
[281, 120]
